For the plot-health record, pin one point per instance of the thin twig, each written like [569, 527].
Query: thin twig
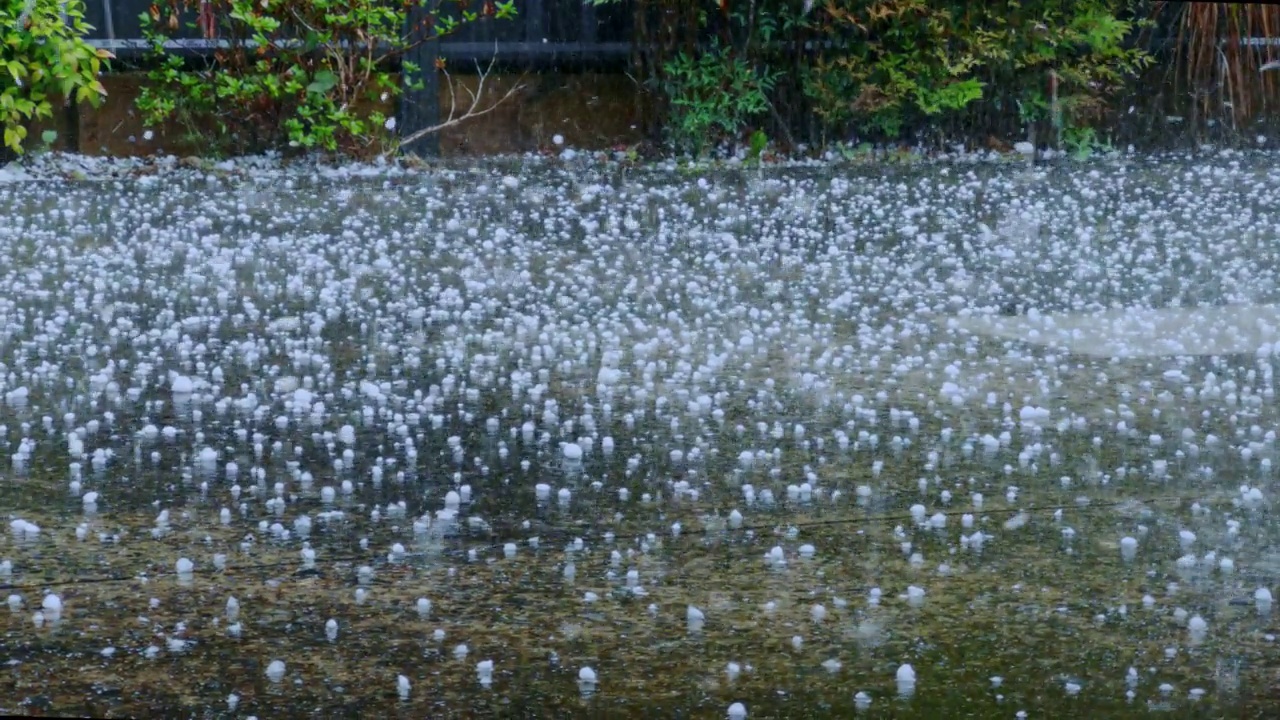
[473, 110]
[782, 125]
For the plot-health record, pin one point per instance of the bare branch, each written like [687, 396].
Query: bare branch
[473, 109]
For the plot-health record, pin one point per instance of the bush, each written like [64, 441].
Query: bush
[888, 63]
[42, 56]
[883, 68]
[713, 97]
[894, 63]
[295, 74]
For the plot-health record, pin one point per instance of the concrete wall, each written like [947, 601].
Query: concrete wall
[591, 111]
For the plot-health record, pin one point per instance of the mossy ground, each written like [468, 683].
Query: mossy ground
[1024, 608]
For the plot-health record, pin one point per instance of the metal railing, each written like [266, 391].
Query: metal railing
[561, 29]
[463, 50]
[565, 34]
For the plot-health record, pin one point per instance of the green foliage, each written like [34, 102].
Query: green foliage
[1083, 142]
[713, 97]
[890, 63]
[879, 67]
[852, 153]
[891, 60]
[296, 74]
[41, 56]
[756, 144]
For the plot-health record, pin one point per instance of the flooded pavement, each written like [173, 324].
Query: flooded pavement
[960, 440]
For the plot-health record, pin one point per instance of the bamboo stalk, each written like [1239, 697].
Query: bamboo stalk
[1218, 64]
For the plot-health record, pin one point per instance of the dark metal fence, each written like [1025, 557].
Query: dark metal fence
[546, 34]
[563, 34]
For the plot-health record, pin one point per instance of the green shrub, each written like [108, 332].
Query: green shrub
[891, 61]
[899, 62]
[713, 97]
[295, 75]
[42, 56]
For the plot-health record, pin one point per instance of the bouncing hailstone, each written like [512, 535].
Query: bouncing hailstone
[1197, 628]
[52, 607]
[695, 619]
[906, 679]
[1128, 548]
[1262, 599]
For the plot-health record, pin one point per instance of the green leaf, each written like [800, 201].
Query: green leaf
[13, 137]
[322, 82]
[48, 136]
